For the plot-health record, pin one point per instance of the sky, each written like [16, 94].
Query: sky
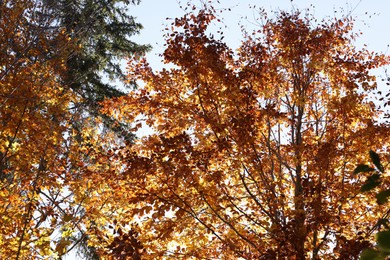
[372, 19]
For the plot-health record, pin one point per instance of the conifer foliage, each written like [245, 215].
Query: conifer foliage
[103, 31]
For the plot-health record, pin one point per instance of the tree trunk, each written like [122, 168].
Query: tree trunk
[299, 229]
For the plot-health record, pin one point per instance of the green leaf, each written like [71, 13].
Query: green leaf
[369, 186]
[377, 161]
[371, 182]
[374, 177]
[383, 240]
[383, 222]
[381, 197]
[371, 254]
[363, 168]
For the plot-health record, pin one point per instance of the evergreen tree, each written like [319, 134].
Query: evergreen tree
[102, 30]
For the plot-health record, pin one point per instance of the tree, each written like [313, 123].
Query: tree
[34, 113]
[102, 29]
[252, 152]
[52, 152]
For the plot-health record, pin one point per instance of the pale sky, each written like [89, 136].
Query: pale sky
[373, 19]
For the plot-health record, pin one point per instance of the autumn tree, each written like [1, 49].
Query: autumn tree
[53, 154]
[252, 151]
[33, 112]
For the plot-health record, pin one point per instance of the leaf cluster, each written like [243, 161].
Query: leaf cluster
[375, 179]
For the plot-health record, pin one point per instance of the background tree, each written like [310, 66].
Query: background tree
[102, 29]
[34, 110]
[52, 152]
[253, 151]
